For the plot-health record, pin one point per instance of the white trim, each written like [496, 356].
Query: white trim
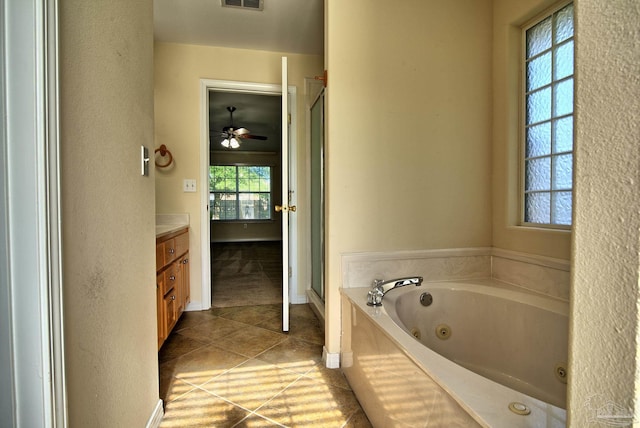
[317, 305]
[33, 217]
[156, 416]
[331, 359]
[7, 367]
[284, 144]
[205, 234]
[55, 217]
[207, 85]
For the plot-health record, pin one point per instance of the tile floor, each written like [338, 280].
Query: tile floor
[233, 367]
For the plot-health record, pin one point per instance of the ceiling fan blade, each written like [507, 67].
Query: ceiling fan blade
[252, 137]
[241, 131]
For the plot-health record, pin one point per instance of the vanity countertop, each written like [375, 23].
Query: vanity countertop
[170, 223]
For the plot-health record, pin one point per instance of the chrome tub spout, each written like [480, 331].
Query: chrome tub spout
[381, 287]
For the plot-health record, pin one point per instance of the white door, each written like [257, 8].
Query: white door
[285, 208]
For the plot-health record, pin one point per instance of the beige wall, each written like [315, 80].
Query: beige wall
[409, 125]
[178, 70]
[508, 17]
[606, 266]
[106, 90]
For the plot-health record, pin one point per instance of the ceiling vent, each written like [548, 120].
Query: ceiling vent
[244, 4]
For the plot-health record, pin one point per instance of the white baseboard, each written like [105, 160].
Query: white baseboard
[331, 360]
[194, 306]
[156, 416]
[297, 299]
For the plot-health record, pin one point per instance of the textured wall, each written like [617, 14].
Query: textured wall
[178, 70]
[409, 118]
[606, 265]
[106, 88]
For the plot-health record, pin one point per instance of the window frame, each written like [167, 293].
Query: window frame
[272, 203]
[522, 124]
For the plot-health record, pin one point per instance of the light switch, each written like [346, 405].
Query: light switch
[144, 161]
[189, 185]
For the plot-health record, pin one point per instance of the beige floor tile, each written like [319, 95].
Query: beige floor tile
[192, 318]
[272, 323]
[202, 365]
[309, 331]
[199, 408]
[293, 354]
[255, 421]
[251, 384]
[308, 403]
[171, 387]
[358, 420]
[177, 345]
[245, 314]
[211, 330]
[250, 341]
[333, 377]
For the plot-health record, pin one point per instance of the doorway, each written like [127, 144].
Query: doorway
[244, 186]
[252, 230]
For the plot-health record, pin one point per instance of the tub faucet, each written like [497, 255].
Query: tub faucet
[381, 287]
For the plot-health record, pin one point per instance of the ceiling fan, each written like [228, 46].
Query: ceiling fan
[231, 134]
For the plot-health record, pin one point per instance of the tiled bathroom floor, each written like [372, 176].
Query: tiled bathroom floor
[233, 367]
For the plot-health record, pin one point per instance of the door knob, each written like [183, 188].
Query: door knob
[285, 208]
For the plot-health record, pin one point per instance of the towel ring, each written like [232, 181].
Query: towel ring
[164, 152]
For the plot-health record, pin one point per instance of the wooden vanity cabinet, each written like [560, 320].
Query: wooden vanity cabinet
[172, 280]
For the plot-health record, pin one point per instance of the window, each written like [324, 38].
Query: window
[239, 192]
[548, 120]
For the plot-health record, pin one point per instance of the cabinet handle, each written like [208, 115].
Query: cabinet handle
[185, 261]
[172, 277]
[171, 251]
[173, 297]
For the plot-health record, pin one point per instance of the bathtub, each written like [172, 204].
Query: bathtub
[482, 353]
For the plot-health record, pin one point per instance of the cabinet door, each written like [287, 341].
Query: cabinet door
[171, 310]
[179, 287]
[186, 281]
[159, 256]
[162, 332]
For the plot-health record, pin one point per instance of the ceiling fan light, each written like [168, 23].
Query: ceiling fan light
[234, 143]
[225, 143]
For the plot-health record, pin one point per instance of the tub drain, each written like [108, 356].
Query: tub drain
[415, 333]
[519, 408]
[443, 331]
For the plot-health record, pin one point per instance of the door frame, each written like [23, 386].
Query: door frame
[207, 85]
[317, 300]
[31, 319]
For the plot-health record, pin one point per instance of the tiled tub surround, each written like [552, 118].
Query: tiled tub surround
[535, 273]
[398, 379]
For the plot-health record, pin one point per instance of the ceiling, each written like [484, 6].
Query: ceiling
[291, 26]
[258, 113]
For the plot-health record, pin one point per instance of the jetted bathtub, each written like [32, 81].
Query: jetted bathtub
[479, 353]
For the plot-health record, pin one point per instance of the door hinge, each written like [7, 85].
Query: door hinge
[290, 271]
[289, 118]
